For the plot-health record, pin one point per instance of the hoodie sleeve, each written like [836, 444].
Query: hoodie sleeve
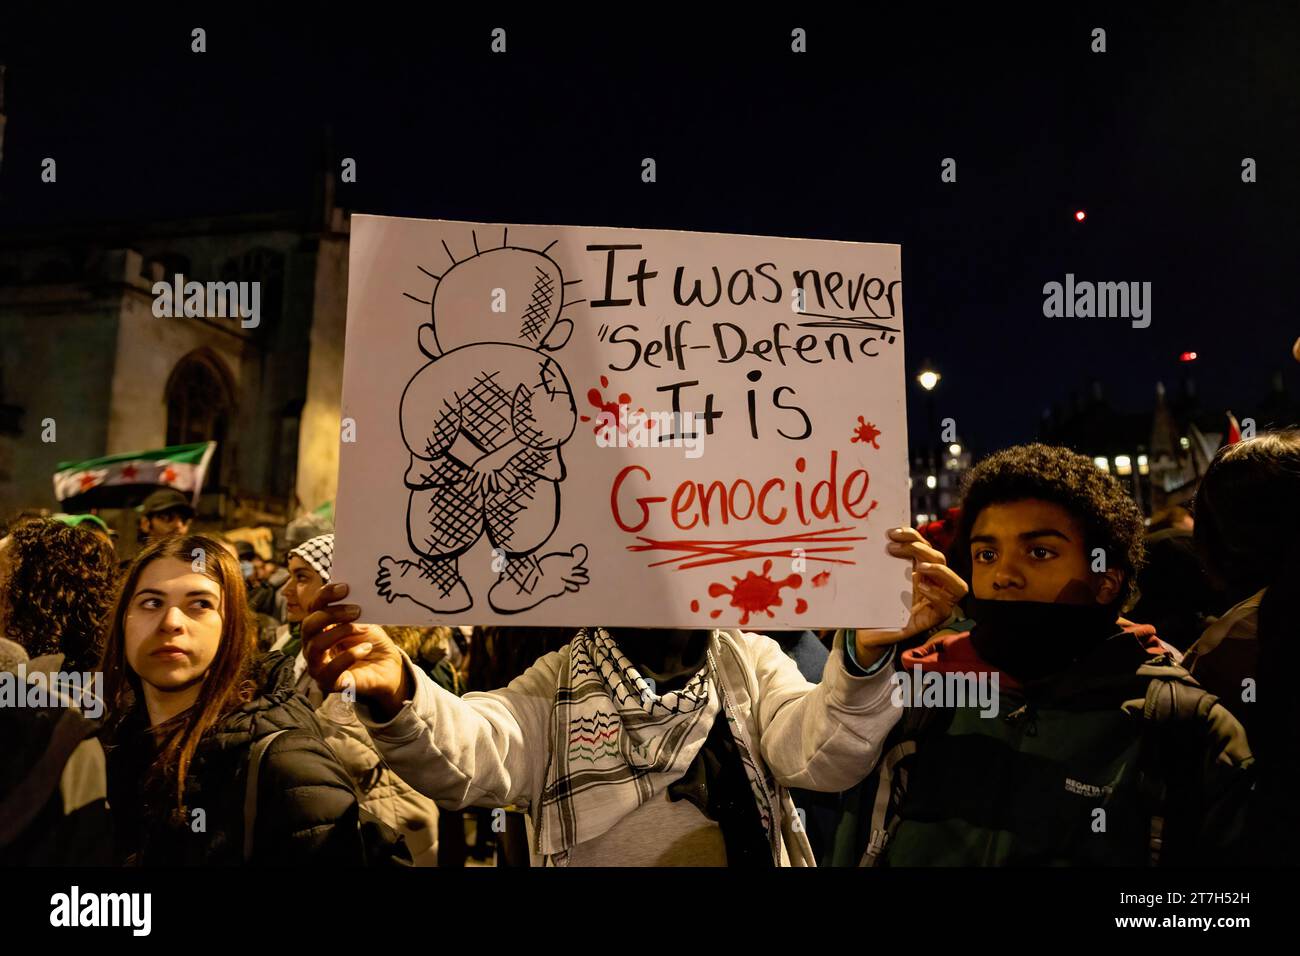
[823, 737]
[307, 808]
[482, 750]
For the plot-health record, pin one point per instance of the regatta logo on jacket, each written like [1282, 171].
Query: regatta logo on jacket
[1087, 789]
[103, 909]
[922, 688]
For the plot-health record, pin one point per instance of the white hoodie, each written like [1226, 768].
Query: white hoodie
[492, 749]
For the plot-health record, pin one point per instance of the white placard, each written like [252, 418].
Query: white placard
[561, 425]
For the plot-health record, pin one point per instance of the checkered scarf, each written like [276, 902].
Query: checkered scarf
[616, 744]
[319, 553]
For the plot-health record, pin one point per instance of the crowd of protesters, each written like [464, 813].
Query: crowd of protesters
[1129, 707]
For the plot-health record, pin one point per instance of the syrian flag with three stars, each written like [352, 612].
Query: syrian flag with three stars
[182, 467]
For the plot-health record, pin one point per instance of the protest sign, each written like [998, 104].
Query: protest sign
[558, 425]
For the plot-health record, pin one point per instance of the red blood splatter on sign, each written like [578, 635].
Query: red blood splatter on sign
[821, 580]
[605, 407]
[754, 592]
[695, 607]
[800, 606]
[866, 433]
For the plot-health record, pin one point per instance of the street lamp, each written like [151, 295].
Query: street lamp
[928, 378]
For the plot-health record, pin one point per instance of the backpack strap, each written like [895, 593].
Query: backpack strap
[882, 826]
[1172, 701]
[891, 779]
[255, 754]
[27, 799]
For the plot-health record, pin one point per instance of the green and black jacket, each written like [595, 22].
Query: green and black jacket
[1122, 760]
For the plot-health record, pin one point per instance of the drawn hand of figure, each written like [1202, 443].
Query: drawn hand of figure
[936, 589]
[489, 474]
[335, 644]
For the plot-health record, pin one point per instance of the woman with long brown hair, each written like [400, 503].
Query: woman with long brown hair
[188, 701]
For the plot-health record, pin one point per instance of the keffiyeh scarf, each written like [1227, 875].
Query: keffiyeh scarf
[615, 742]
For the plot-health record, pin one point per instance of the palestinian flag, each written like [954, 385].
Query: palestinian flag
[182, 467]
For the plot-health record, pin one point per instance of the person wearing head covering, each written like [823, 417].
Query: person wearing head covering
[382, 792]
[273, 597]
[309, 571]
[165, 512]
[90, 522]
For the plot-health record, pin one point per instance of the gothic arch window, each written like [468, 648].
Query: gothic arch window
[200, 407]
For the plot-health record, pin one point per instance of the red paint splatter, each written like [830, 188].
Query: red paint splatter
[717, 613]
[866, 433]
[606, 407]
[695, 607]
[754, 592]
[821, 580]
[800, 606]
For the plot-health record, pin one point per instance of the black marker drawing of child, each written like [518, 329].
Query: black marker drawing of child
[484, 422]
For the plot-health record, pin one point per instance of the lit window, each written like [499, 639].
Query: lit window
[954, 450]
[1123, 465]
[1143, 467]
[1102, 463]
[931, 481]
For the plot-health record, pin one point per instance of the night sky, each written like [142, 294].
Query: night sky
[843, 142]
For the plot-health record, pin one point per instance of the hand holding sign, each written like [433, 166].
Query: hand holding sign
[333, 643]
[936, 589]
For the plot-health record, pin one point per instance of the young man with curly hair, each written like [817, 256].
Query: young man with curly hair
[1049, 731]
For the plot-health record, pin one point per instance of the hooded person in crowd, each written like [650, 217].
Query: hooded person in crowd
[1248, 532]
[56, 586]
[638, 747]
[1052, 732]
[200, 729]
[382, 792]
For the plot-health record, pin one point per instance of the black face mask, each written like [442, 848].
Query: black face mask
[648, 652]
[1031, 640]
